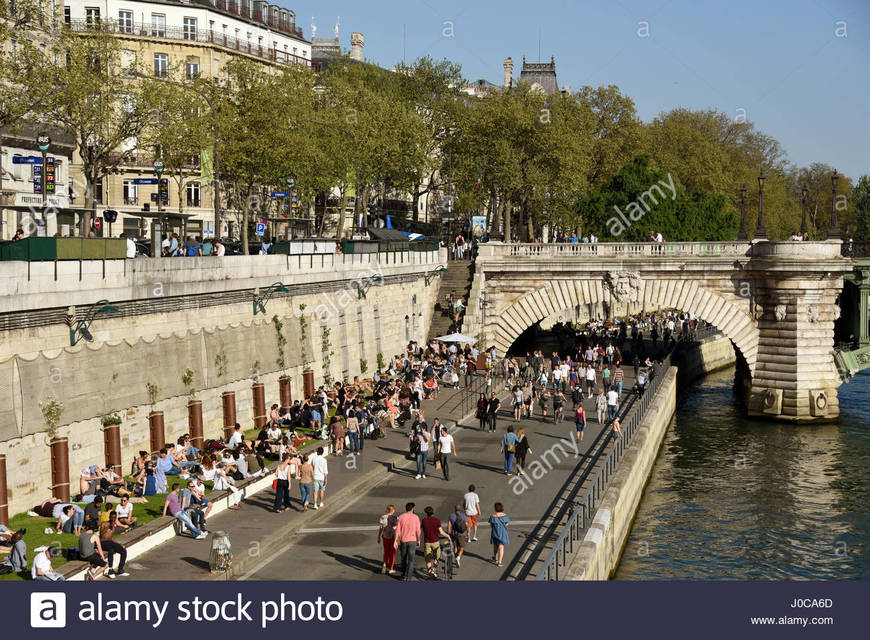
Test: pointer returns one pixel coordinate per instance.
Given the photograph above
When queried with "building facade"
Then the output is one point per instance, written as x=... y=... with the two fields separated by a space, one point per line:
x=200 y=37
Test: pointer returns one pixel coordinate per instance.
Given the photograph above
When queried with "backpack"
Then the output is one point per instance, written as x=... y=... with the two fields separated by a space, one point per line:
x=460 y=525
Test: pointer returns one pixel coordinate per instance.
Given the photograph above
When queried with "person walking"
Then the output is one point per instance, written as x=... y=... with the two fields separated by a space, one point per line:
x=499 y=537
x=408 y=530
x=481 y=414
x=517 y=398
x=387 y=536
x=579 y=423
x=509 y=448
x=457 y=529
x=617 y=428
x=472 y=511
x=601 y=405
x=320 y=476
x=421 y=433
x=353 y=432
x=522 y=448
x=446 y=446
x=432 y=534
x=590 y=379
x=612 y=404
x=618 y=379
x=492 y=408
x=282 y=485
x=306 y=481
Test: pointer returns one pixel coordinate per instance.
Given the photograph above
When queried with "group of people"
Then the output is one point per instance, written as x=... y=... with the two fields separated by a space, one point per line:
x=401 y=535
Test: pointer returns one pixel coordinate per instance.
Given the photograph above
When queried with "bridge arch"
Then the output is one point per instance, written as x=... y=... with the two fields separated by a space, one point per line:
x=689 y=296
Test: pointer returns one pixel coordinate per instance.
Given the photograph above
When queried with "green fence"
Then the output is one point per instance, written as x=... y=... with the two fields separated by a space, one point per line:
x=38 y=249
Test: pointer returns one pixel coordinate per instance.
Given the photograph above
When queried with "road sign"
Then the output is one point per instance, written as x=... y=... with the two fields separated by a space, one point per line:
x=280 y=194
x=158 y=167
x=144 y=180
x=43 y=142
x=37 y=169
x=261 y=229
x=26 y=160
x=97 y=222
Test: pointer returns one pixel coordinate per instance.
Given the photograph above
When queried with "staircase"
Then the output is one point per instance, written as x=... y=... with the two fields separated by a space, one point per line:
x=458 y=279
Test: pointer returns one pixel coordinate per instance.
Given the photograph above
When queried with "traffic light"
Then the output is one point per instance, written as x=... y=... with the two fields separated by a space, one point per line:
x=110 y=215
x=163 y=190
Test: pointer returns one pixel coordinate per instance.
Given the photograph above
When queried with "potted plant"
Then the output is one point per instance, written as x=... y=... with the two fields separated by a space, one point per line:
x=112 y=438
x=258 y=395
x=155 y=418
x=52 y=410
x=284 y=386
x=363 y=366
x=307 y=373
x=194 y=409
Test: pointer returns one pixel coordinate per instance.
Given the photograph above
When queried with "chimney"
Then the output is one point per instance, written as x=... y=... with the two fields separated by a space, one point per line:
x=508 y=71
x=357 y=42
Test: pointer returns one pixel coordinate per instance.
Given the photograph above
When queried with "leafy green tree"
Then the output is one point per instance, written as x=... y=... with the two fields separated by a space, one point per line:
x=99 y=101
x=861 y=209
x=817 y=179
x=641 y=200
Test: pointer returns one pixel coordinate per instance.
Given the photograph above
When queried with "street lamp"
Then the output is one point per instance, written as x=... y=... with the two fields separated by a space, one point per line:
x=742 y=233
x=81 y=329
x=260 y=300
x=804 y=192
x=834 y=229
x=760 y=231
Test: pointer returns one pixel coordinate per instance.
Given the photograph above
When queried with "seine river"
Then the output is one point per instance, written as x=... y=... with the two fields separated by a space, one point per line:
x=732 y=498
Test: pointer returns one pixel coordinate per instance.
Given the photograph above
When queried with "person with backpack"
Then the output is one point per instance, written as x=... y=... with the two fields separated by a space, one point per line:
x=457 y=529
x=509 y=448
x=492 y=408
x=387 y=536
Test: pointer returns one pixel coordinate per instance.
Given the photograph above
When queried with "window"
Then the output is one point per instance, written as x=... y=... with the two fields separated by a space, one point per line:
x=131 y=193
x=193 y=194
x=67 y=20
x=125 y=21
x=191 y=69
x=158 y=25
x=128 y=59
x=98 y=192
x=161 y=64
x=190 y=28
x=92 y=16
x=18 y=169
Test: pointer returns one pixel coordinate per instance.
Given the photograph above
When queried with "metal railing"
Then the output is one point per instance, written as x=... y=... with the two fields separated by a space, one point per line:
x=192 y=34
x=581 y=511
x=618 y=249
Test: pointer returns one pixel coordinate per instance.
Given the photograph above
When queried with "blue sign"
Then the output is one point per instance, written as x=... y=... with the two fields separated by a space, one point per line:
x=261 y=229
x=144 y=180
x=280 y=194
x=26 y=160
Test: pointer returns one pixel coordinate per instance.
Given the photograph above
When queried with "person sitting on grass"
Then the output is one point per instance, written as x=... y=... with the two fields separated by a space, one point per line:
x=16 y=561
x=90 y=550
x=148 y=482
x=70 y=520
x=42 y=569
x=92 y=511
x=167 y=464
x=110 y=547
x=113 y=482
x=173 y=506
x=125 y=512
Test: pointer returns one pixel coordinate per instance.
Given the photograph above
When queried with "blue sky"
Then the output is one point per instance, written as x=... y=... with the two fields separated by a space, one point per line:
x=785 y=62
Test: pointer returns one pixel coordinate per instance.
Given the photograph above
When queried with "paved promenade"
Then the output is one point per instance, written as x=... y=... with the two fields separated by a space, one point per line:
x=339 y=542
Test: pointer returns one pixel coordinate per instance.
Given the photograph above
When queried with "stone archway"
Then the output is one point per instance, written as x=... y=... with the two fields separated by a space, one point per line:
x=620 y=288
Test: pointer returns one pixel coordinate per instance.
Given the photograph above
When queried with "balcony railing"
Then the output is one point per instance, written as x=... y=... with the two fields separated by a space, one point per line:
x=207 y=36
x=128 y=200
x=282 y=24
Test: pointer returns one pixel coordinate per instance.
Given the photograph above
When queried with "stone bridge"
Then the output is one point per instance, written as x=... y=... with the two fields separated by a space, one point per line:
x=775 y=301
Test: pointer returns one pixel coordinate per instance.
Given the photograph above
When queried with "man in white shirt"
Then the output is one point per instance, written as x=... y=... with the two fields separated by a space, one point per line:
x=472 y=511
x=42 y=566
x=446 y=446
x=321 y=473
x=237 y=437
x=612 y=403
x=131 y=246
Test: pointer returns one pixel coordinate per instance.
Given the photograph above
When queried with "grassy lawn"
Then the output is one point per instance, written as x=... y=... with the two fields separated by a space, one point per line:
x=144 y=512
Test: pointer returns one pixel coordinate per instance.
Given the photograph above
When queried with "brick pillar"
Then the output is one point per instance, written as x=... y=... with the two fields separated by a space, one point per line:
x=4 y=497
x=158 y=436
x=284 y=391
x=259 y=398
x=194 y=422
x=229 y=409
x=60 y=468
x=112 y=444
x=308 y=383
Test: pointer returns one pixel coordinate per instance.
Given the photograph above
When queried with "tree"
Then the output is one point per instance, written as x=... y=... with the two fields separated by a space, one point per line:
x=640 y=200
x=101 y=103
x=817 y=178
x=861 y=208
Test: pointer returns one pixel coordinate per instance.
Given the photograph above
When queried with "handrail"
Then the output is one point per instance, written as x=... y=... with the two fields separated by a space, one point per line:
x=581 y=510
x=617 y=249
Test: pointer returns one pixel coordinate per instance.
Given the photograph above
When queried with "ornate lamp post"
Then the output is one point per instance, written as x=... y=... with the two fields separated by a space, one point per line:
x=742 y=233
x=804 y=192
x=760 y=231
x=834 y=229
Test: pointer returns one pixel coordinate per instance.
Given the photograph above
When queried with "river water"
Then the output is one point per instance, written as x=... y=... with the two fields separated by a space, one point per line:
x=734 y=498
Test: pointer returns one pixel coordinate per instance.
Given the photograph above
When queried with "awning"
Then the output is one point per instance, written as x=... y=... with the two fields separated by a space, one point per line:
x=387 y=234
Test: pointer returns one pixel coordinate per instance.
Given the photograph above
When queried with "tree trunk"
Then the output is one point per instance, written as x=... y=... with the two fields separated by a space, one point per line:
x=245 y=217
x=365 y=206
x=342 y=206
x=90 y=200
x=415 y=200
x=507 y=221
